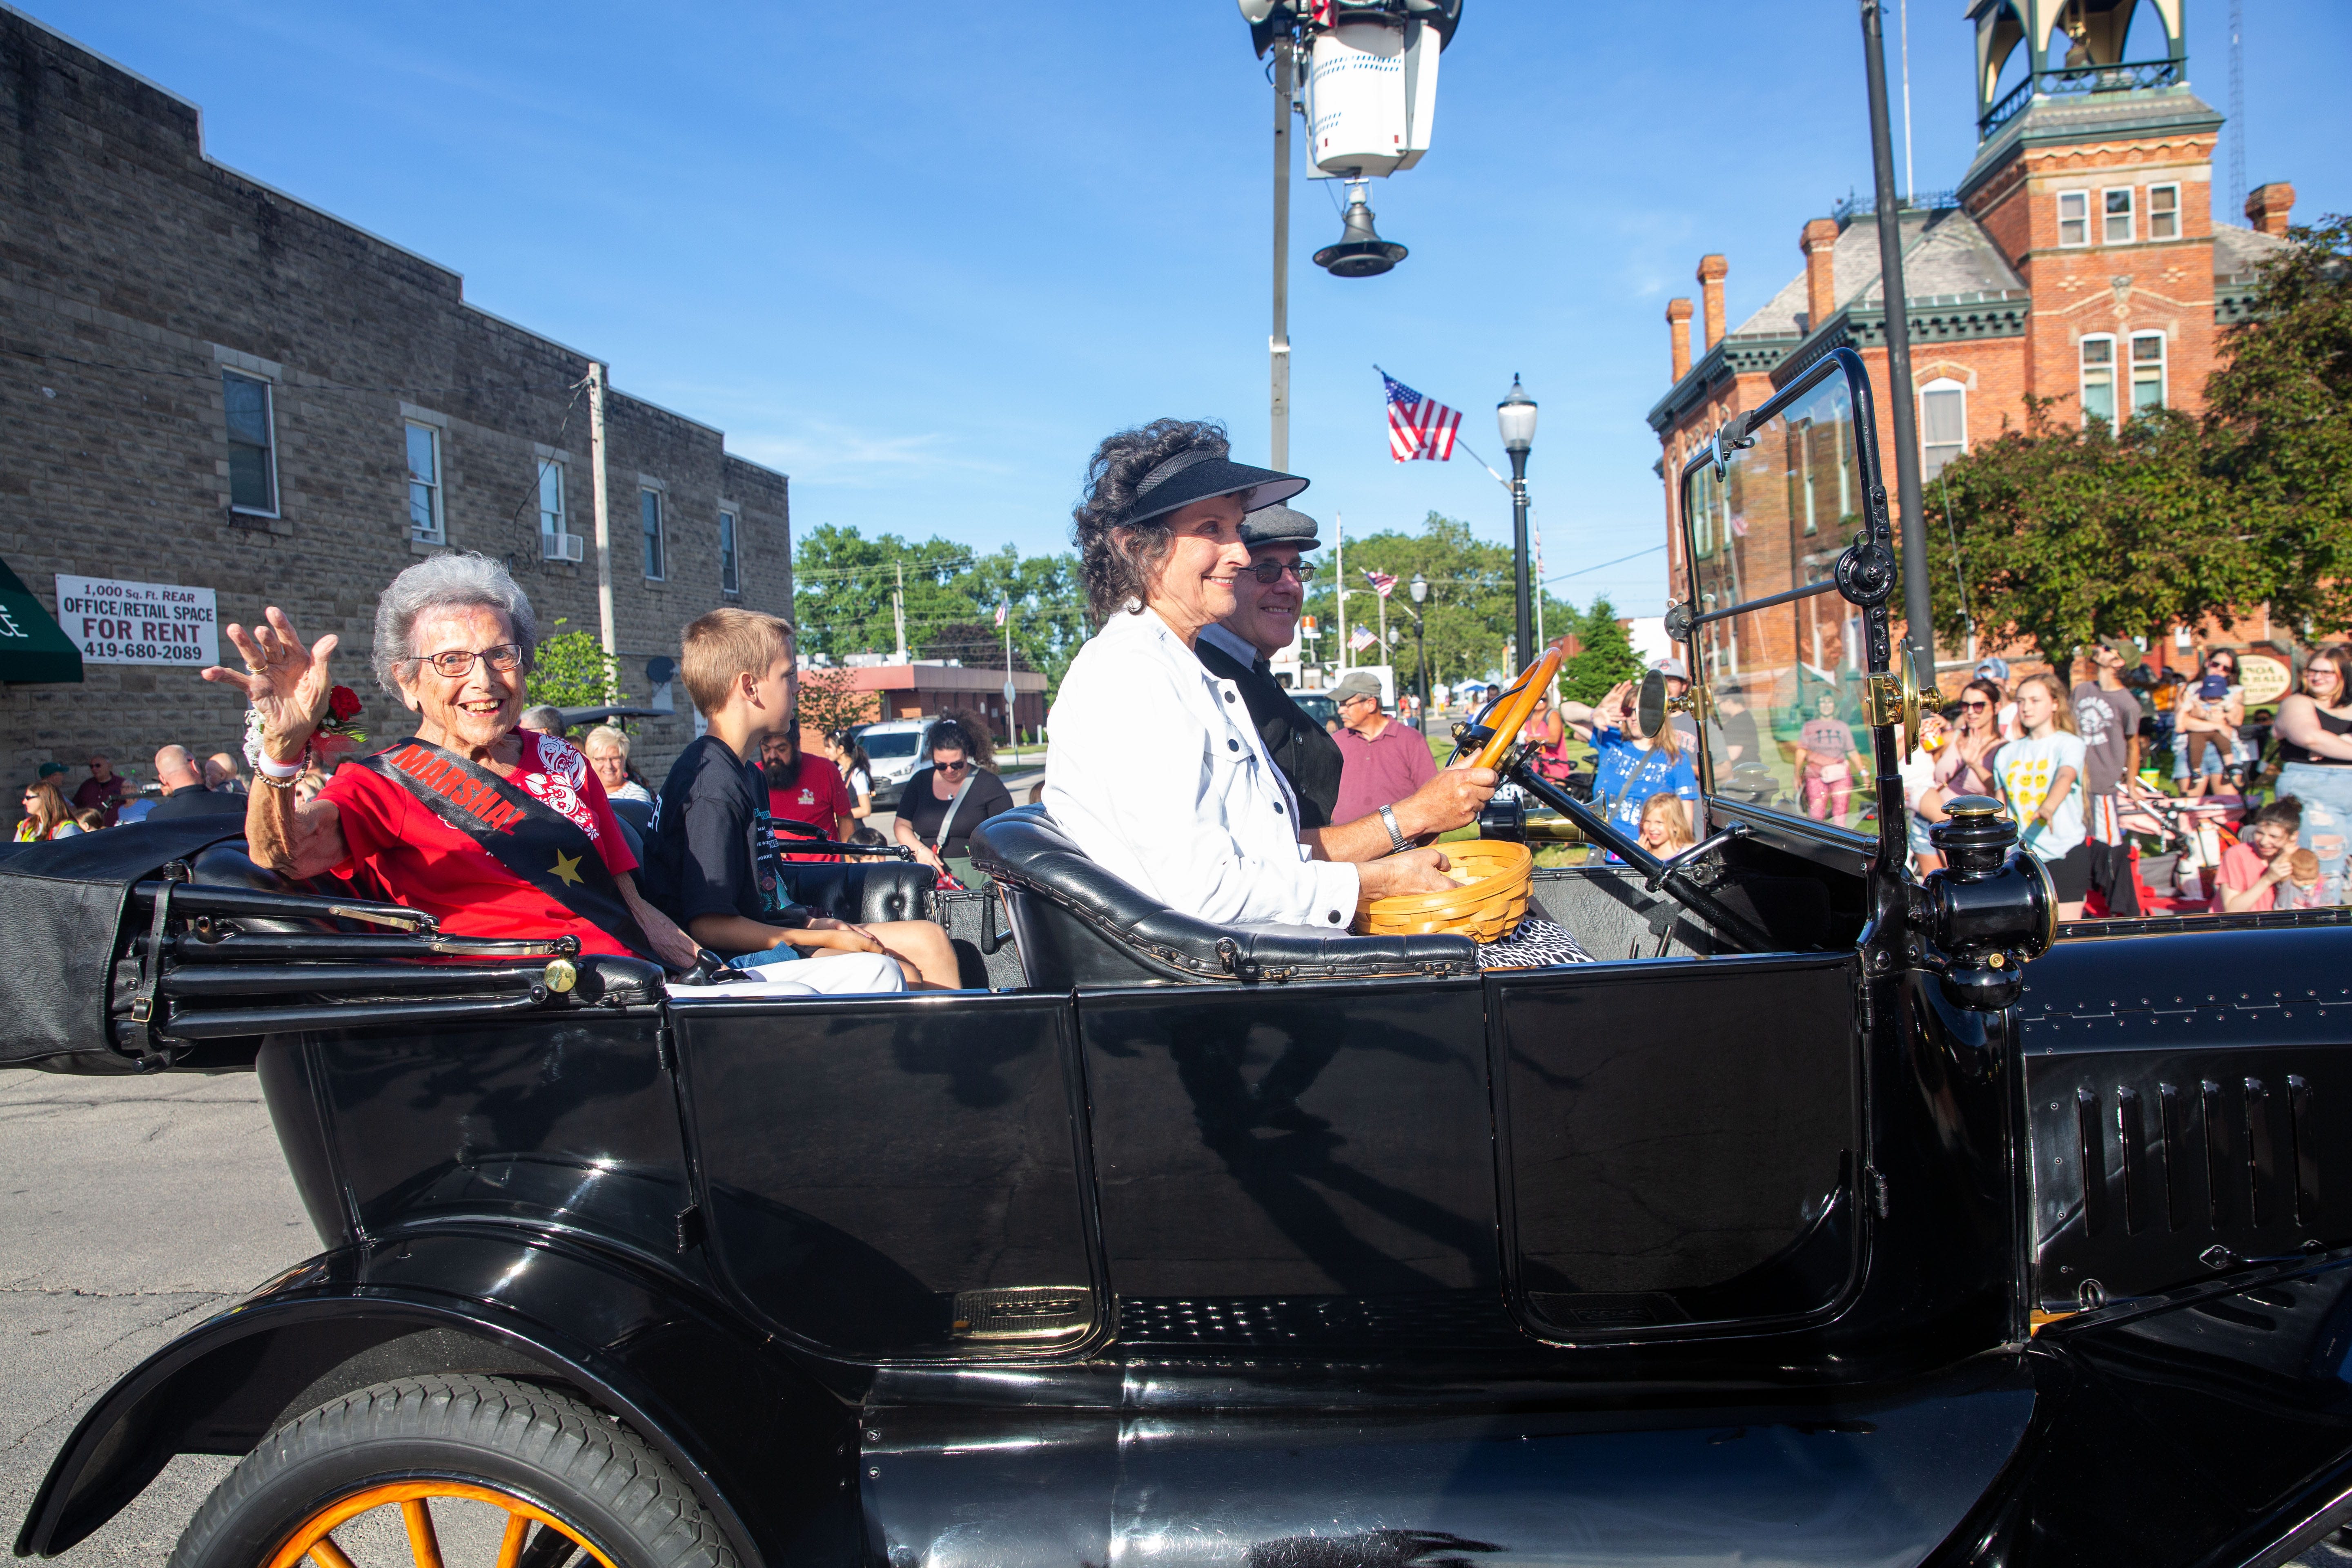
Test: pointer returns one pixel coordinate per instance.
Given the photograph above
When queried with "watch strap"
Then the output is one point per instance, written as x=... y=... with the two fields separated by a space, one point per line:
x=1397 y=845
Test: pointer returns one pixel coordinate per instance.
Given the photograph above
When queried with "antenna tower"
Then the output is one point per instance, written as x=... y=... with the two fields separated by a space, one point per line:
x=2237 y=109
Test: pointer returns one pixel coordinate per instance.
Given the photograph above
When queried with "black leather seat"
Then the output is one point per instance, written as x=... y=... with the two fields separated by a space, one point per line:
x=1075 y=924
x=862 y=892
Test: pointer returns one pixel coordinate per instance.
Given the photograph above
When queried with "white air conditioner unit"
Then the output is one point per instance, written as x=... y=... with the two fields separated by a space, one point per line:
x=561 y=546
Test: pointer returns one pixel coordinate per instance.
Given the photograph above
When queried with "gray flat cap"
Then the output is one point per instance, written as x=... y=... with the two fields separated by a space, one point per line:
x=1279 y=525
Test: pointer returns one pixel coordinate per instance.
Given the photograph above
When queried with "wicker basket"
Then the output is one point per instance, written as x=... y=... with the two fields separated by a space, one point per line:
x=1487 y=909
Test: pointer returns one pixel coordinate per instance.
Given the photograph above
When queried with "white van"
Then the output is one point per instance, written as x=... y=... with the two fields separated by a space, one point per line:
x=896 y=748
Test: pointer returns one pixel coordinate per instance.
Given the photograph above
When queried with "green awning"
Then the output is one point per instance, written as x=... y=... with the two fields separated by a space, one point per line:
x=33 y=648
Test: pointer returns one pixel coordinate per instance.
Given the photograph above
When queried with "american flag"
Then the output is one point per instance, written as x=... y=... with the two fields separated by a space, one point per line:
x=1361 y=639
x=1000 y=612
x=1419 y=427
x=1383 y=583
x=1320 y=13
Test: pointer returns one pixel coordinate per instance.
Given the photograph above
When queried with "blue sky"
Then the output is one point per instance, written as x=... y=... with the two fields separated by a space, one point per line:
x=923 y=257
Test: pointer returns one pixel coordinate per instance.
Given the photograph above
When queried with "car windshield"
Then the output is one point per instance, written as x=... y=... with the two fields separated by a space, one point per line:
x=890 y=743
x=1787 y=731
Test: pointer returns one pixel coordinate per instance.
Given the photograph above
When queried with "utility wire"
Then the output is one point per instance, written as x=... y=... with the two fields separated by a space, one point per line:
x=302 y=386
x=1580 y=571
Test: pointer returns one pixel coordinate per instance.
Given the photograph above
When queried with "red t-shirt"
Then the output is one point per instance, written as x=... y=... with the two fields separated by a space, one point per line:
x=814 y=793
x=2241 y=870
x=414 y=858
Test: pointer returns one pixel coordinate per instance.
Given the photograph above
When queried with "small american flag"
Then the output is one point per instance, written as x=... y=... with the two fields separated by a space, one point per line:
x=1000 y=612
x=1383 y=583
x=1419 y=427
x=1320 y=13
x=1361 y=639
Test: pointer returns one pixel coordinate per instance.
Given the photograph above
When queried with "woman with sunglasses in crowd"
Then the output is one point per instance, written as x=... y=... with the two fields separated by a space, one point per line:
x=1966 y=765
x=2205 y=725
x=941 y=804
x=47 y=814
x=2315 y=732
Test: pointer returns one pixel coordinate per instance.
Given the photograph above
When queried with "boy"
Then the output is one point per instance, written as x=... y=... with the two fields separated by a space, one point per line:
x=701 y=866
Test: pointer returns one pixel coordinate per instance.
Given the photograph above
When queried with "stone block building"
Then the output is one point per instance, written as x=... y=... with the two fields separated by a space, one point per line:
x=212 y=384
x=2077 y=259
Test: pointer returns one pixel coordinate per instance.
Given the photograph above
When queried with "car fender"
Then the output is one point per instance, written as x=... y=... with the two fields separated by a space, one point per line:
x=764 y=1446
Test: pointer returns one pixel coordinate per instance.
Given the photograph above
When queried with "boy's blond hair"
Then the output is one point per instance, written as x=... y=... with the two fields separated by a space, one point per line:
x=728 y=642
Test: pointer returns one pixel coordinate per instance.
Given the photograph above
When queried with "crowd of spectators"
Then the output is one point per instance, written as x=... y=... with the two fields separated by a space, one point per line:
x=107 y=798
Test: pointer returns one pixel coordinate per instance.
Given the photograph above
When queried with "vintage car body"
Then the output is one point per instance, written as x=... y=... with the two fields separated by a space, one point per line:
x=1766 y=1237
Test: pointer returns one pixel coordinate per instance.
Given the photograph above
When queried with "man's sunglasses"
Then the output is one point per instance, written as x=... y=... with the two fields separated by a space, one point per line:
x=1272 y=570
x=458 y=662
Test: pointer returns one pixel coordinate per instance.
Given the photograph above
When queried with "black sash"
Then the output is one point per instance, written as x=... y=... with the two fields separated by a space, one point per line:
x=521 y=832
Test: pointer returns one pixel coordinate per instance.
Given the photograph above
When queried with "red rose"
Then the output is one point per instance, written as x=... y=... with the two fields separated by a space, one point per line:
x=343 y=703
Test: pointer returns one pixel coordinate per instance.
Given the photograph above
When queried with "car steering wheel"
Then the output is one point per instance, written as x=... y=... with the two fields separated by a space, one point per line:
x=1505 y=713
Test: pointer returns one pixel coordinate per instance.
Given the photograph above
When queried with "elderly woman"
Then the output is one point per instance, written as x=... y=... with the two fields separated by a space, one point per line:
x=494 y=831
x=1156 y=770
x=607 y=751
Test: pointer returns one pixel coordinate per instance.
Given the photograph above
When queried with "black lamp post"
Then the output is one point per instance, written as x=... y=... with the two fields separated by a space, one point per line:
x=1420 y=591
x=1515 y=415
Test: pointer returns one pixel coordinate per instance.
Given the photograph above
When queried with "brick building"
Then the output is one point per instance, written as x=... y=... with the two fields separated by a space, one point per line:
x=2077 y=259
x=211 y=385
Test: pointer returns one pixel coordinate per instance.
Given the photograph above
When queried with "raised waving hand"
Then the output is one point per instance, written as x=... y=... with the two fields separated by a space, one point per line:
x=286 y=683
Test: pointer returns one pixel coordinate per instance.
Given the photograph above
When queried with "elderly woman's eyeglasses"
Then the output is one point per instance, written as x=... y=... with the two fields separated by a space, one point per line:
x=1272 y=570
x=458 y=662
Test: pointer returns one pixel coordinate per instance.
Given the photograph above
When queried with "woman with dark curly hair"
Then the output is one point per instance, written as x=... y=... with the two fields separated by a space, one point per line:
x=1156 y=769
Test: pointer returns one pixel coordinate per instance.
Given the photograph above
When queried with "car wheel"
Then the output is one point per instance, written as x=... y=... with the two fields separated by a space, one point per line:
x=454 y=1469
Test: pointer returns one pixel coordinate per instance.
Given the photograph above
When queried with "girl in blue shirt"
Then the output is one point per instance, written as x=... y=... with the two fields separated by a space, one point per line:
x=1629 y=767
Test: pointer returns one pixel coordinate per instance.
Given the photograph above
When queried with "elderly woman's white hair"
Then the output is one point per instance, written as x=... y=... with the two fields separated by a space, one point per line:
x=606 y=735
x=440 y=583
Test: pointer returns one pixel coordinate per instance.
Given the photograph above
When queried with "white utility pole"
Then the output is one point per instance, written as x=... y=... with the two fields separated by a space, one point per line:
x=1339 y=581
x=899 y=610
x=1278 y=344
x=604 y=508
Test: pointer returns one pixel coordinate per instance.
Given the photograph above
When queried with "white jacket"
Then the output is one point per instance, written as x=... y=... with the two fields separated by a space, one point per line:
x=1157 y=772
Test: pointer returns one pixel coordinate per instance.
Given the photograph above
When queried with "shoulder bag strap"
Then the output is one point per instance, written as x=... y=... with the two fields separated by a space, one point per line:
x=938 y=845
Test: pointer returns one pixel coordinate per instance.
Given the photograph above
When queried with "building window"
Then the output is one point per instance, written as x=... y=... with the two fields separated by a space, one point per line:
x=2073 y=217
x=2099 y=379
x=252 y=444
x=1943 y=425
x=2164 y=212
x=649 y=511
x=731 y=575
x=550 y=498
x=424 y=483
x=2148 y=370
x=2117 y=206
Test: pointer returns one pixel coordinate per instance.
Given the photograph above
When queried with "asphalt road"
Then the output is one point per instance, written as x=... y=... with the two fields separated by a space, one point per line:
x=133 y=1208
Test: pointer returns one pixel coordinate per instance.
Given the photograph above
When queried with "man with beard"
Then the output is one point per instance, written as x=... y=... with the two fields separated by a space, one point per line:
x=1267 y=595
x=804 y=788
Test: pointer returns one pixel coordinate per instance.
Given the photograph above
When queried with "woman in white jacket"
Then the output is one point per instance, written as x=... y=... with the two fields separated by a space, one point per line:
x=1156 y=769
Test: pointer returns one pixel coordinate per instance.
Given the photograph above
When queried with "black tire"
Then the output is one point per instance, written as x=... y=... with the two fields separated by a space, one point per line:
x=544 y=1446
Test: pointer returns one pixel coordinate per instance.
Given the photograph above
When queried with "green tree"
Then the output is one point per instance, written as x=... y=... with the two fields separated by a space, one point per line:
x=2068 y=533
x=1606 y=655
x=572 y=671
x=843 y=584
x=1469 y=616
x=830 y=700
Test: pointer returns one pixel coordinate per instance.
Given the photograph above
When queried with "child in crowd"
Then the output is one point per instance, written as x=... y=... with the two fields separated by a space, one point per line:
x=1665 y=824
x=2264 y=870
x=701 y=862
x=1923 y=799
x=2040 y=779
x=1829 y=757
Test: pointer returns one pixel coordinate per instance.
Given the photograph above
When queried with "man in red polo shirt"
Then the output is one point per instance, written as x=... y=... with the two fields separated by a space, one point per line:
x=804 y=788
x=1381 y=762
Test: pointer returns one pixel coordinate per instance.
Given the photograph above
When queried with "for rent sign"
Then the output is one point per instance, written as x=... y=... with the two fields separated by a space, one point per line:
x=138 y=623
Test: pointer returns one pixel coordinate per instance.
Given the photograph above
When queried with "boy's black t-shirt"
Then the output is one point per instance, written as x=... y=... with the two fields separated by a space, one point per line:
x=701 y=856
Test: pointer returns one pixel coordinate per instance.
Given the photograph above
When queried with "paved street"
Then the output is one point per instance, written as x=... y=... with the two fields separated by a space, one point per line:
x=133 y=1208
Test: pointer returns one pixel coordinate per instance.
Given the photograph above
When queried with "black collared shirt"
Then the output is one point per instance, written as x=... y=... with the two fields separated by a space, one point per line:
x=1300 y=747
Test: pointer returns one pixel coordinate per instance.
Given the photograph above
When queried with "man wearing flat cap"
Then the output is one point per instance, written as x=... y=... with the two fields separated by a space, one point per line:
x=1238 y=648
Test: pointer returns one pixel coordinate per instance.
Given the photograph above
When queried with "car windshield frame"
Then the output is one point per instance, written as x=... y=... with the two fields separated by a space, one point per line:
x=1813 y=443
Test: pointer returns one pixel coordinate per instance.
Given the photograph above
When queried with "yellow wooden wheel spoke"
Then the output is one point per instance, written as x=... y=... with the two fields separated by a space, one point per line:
x=424 y=1545
x=313 y=1539
x=511 y=1544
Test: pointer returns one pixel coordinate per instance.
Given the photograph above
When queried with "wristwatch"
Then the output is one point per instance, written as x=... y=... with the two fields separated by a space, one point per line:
x=1397 y=846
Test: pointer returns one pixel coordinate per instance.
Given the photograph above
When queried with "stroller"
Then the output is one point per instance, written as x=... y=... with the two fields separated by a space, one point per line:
x=2192 y=833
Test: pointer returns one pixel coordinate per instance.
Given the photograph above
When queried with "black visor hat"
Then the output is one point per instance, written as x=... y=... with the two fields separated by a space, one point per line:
x=1197 y=476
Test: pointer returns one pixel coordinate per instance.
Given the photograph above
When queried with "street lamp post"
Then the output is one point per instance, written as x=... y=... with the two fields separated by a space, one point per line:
x=1420 y=591
x=1516 y=415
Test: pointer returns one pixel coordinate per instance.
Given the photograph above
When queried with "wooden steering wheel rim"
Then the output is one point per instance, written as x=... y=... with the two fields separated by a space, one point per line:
x=1512 y=707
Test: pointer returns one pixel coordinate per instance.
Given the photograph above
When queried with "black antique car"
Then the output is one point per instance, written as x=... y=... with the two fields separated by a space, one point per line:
x=1831 y=1215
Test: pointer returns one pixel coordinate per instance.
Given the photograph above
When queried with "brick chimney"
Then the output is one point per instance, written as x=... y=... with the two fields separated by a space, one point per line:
x=2267 y=208
x=1817 y=242
x=1711 y=269
x=1678 y=313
